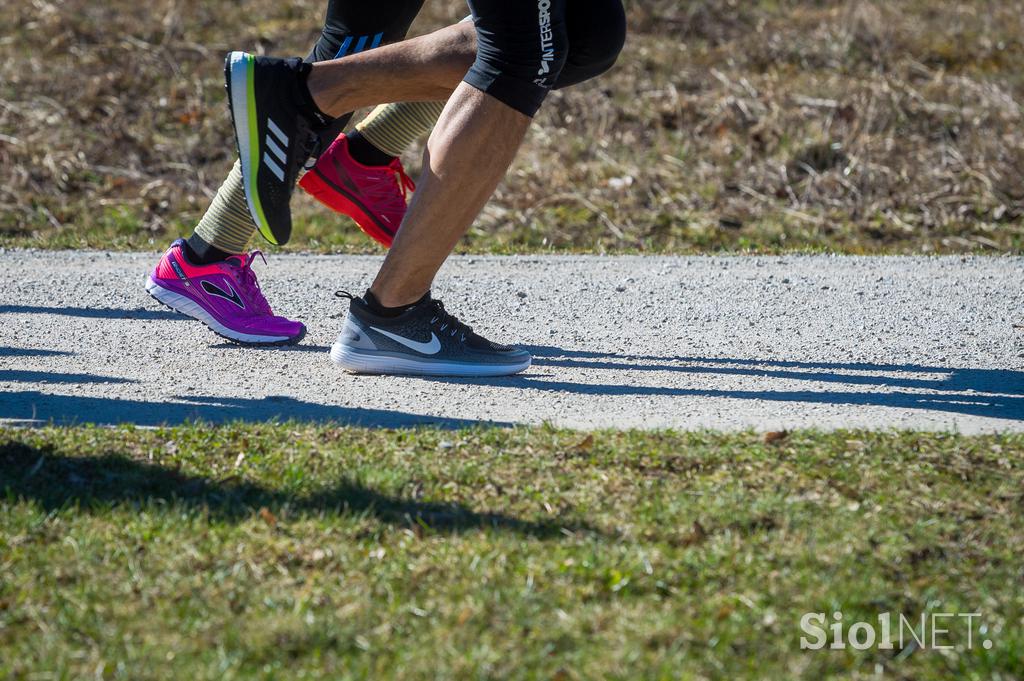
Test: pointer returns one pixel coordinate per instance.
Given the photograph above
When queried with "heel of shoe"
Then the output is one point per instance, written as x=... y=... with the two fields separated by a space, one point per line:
x=349 y=360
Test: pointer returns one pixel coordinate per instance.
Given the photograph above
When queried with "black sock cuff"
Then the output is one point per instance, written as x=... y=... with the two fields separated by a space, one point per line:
x=201 y=252
x=366 y=152
x=381 y=311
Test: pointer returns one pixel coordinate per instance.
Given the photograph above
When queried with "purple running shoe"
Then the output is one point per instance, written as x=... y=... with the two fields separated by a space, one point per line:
x=223 y=295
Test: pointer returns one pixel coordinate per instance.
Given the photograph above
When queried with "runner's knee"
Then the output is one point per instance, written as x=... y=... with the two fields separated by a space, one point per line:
x=597 y=32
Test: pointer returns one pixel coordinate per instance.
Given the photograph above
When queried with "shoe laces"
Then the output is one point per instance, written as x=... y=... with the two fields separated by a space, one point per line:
x=448 y=323
x=383 y=182
x=444 y=321
x=249 y=284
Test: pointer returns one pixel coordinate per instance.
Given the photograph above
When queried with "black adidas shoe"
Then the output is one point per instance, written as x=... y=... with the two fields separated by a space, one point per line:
x=275 y=124
x=423 y=340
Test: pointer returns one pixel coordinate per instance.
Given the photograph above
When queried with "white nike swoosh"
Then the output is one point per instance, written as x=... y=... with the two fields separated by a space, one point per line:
x=431 y=348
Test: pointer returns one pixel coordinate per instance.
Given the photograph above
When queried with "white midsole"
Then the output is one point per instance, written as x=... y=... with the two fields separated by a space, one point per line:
x=240 y=112
x=187 y=306
x=361 y=363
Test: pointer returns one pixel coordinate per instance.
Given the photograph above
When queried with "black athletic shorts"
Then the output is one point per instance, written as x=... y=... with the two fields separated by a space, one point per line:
x=353 y=26
x=525 y=48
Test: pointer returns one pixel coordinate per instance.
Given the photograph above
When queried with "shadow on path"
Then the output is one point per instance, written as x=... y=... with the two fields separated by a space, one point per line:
x=22 y=376
x=992 y=393
x=33 y=407
x=94 y=312
x=955 y=380
x=32 y=352
x=91 y=483
x=272 y=348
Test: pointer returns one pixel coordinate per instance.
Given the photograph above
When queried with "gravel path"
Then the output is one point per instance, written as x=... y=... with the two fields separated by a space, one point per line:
x=647 y=342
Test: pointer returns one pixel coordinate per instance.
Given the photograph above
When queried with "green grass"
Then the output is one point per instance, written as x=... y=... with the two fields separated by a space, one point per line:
x=294 y=551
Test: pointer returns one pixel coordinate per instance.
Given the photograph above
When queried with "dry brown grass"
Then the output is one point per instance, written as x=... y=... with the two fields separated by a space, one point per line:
x=841 y=125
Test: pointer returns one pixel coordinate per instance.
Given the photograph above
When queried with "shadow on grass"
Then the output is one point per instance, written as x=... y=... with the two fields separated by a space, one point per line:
x=95 y=483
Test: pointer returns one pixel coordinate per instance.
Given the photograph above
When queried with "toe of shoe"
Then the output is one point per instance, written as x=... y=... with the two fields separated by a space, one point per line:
x=517 y=357
x=277 y=326
x=291 y=328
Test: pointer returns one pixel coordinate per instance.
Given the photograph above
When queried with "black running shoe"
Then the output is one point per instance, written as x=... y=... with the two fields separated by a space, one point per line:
x=424 y=340
x=274 y=129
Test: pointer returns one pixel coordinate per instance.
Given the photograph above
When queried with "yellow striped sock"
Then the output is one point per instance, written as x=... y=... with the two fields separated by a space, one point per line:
x=393 y=127
x=227 y=224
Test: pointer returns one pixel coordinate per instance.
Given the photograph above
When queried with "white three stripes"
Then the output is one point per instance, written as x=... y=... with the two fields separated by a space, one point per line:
x=274 y=148
x=278 y=133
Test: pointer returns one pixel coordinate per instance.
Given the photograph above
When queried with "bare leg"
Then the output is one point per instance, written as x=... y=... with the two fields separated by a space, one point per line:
x=468 y=153
x=422 y=69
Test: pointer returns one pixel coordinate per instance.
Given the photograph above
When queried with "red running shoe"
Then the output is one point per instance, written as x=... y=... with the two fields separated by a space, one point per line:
x=374 y=196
